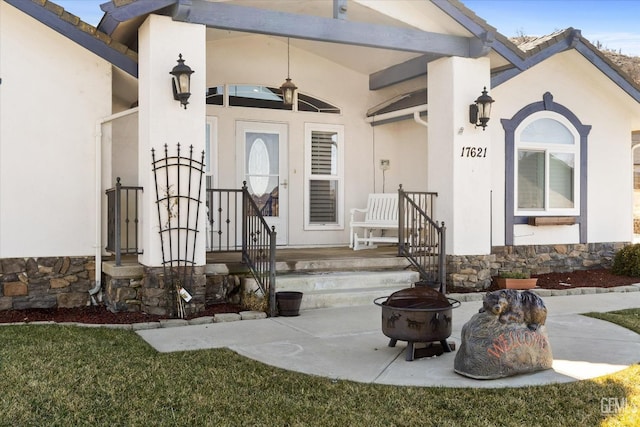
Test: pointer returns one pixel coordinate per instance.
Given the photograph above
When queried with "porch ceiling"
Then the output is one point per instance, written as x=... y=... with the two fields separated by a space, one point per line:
x=367 y=41
x=418 y=31
x=365 y=60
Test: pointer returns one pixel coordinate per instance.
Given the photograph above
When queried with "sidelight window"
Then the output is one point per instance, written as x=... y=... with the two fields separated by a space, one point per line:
x=324 y=176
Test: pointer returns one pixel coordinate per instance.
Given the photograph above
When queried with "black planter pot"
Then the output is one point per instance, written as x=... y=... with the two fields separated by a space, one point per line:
x=288 y=303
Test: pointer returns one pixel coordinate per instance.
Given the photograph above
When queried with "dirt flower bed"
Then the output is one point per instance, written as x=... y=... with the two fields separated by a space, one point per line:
x=597 y=278
x=98 y=315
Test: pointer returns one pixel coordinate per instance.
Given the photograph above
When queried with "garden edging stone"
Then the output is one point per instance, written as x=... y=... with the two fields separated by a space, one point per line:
x=251 y=315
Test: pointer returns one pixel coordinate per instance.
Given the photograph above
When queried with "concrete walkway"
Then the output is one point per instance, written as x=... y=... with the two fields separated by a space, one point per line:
x=347 y=343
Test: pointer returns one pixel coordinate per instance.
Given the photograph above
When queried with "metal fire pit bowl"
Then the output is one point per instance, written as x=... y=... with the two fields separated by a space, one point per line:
x=417 y=315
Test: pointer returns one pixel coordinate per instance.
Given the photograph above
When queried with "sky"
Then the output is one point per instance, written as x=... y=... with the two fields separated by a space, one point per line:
x=609 y=22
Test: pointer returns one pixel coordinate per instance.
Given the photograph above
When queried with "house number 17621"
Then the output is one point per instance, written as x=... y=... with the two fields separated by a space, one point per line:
x=474 y=152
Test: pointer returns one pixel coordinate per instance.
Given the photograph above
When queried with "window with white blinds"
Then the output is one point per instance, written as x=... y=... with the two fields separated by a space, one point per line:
x=324 y=152
x=546 y=168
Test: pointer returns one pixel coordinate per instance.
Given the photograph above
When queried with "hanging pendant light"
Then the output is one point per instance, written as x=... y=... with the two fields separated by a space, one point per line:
x=288 y=88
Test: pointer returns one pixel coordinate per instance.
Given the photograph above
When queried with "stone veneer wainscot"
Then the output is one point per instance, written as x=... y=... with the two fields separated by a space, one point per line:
x=476 y=271
x=46 y=282
x=134 y=287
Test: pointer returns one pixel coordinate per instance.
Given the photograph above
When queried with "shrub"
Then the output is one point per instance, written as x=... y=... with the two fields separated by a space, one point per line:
x=515 y=275
x=626 y=262
x=253 y=302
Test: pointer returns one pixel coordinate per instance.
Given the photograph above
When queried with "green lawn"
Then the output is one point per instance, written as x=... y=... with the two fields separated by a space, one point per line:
x=66 y=376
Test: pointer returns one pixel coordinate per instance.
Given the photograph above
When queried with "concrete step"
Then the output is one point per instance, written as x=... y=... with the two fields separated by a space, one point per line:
x=346 y=264
x=344 y=289
x=322 y=265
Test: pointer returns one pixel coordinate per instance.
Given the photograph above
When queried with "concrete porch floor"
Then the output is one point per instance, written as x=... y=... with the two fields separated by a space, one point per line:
x=291 y=256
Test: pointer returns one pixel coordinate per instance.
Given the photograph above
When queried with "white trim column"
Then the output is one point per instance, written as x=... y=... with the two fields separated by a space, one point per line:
x=164 y=121
x=459 y=161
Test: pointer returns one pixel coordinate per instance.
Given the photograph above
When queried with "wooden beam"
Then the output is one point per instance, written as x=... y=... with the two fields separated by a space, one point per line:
x=340 y=9
x=416 y=67
x=121 y=11
x=254 y=20
x=472 y=24
x=407 y=70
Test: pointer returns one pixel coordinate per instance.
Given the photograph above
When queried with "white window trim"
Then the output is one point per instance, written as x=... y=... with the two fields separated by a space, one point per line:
x=547 y=148
x=339 y=177
x=212 y=150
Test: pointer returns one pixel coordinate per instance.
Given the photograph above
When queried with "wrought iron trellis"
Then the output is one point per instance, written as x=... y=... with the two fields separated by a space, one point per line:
x=178 y=183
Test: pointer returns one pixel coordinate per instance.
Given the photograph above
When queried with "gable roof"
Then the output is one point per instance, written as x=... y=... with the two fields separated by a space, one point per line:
x=87 y=36
x=535 y=51
x=528 y=44
x=541 y=48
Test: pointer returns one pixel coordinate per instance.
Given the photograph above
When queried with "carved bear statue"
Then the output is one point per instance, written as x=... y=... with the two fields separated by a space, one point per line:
x=514 y=306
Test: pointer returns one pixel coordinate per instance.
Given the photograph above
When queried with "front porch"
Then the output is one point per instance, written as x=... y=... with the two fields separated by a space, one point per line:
x=327 y=277
x=242 y=257
x=296 y=258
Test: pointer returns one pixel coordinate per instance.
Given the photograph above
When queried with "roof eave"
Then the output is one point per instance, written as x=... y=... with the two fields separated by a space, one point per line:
x=87 y=36
x=479 y=28
x=608 y=68
x=122 y=11
x=566 y=40
x=572 y=39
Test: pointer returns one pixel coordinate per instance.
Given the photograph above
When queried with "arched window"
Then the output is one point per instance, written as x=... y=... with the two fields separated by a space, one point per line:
x=256 y=96
x=545 y=166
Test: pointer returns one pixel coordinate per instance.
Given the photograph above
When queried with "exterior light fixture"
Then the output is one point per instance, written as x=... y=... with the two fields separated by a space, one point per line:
x=181 y=82
x=480 y=111
x=288 y=88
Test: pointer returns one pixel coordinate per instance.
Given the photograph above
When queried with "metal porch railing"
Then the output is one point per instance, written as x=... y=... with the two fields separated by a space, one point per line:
x=421 y=239
x=259 y=249
x=224 y=220
x=236 y=223
x=123 y=210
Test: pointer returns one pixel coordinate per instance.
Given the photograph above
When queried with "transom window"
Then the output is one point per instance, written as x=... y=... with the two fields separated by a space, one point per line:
x=547 y=166
x=256 y=96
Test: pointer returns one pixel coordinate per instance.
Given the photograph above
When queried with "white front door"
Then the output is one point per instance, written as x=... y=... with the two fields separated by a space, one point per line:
x=262 y=148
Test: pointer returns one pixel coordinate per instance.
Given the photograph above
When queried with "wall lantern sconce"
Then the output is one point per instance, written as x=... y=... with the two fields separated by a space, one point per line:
x=288 y=88
x=181 y=82
x=480 y=111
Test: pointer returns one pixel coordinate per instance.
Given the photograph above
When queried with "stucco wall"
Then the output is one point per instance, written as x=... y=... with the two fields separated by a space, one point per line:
x=404 y=144
x=52 y=93
x=597 y=101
